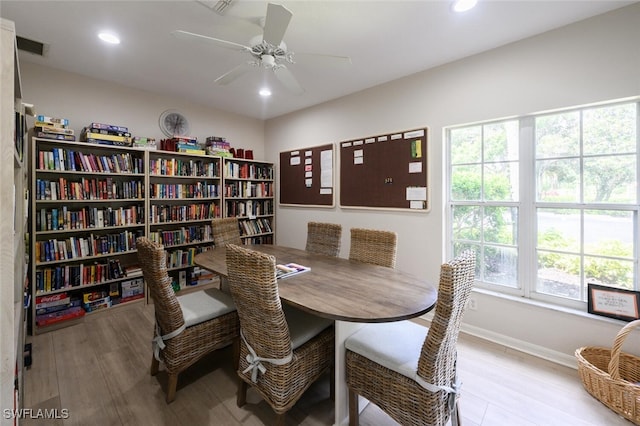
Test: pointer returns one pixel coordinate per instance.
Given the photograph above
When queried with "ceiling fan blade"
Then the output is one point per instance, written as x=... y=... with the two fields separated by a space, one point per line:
x=232 y=75
x=276 y=23
x=317 y=58
x=223 y=43
x=288 y=80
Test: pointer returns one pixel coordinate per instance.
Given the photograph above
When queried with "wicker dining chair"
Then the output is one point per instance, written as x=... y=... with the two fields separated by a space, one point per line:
x=323 y=238
x=282 y=351
x=187 y=327
x=225 y=231
x=373 y=246
x=407 y=370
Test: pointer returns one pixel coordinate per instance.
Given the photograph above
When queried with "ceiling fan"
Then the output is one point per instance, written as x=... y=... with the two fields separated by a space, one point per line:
x=267 y=51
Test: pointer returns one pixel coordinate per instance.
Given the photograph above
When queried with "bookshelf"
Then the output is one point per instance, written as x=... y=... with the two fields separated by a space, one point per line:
x=249 y=195
x=90 y=202
x=88 y=209
x=184 y=197
x=12 y=221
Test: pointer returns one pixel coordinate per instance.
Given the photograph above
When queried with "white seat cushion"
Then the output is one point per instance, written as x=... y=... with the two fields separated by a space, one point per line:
x=303 y=326
x=203 y=305
x=395 y=345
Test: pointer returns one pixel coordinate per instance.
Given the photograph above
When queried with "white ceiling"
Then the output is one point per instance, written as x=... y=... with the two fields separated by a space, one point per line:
x=386 y=40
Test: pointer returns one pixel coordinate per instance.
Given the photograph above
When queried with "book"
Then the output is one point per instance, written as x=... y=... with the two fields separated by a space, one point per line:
x=52 y=120
x=86 y=135
x=290 y=269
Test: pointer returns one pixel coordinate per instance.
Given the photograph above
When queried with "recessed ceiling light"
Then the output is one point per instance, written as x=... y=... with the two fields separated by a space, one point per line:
x=463 y=5
x=109 y=38
x=265 y=92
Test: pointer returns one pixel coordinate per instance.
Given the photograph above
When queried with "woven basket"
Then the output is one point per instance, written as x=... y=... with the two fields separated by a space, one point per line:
x=612 y=376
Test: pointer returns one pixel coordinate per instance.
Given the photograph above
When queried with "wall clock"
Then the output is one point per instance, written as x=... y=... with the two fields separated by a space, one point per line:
x=174 y=123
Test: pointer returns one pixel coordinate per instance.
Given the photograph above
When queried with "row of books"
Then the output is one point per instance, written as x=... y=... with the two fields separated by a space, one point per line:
x=171 y=144
x=248 y=189
x=248 y=171
x=77 y=161
x=171 y=213
x=70 y=276
x=184 y=235
x=181 y=258
x=184 y=191
x=79 y=247
x=255 y=226
x=243 y=208
x=88 y=189
x=181 y=167
x=88 y=218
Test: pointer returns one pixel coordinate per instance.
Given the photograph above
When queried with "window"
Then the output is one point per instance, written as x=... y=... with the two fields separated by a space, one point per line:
x=549 y=203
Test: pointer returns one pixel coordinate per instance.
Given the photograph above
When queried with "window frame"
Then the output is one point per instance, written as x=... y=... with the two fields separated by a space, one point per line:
x=528 y=205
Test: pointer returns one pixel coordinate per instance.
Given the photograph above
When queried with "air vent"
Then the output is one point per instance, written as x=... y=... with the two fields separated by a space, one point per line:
x=32 y=46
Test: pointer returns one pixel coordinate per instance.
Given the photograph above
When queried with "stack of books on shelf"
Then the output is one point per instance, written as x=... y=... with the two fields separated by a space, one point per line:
x=55 y=308
x=106 y=134
x=53 y=128
x=145 y=143
x=186 y=144
x=96 y=300
x=217 y=145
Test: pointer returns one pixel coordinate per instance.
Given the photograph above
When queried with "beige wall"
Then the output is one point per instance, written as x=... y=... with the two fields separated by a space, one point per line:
x=592 y=61
x=84 y=100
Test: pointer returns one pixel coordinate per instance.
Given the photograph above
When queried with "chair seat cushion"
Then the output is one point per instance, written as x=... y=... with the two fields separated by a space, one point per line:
x=203 y=305
x=395 y=345
x=303 y=326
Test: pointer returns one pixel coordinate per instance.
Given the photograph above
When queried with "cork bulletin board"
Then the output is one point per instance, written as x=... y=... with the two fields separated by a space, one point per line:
x=386 y=171
x=307 y=177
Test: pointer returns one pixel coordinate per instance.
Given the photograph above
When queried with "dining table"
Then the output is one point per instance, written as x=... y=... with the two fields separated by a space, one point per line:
x=349 y=292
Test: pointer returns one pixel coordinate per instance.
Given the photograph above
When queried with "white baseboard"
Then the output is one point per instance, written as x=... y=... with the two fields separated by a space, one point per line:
x=517 y=344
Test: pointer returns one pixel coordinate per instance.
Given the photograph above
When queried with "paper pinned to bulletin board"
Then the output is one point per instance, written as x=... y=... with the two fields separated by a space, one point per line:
x=386 y=171
x=307 y=177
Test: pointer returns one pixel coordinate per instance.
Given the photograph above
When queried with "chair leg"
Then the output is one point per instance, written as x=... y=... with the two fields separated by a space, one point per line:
x=171 y=387
x=241 y=397
x=236 y=353
x=280 y=419
x=354 y=412
x=155 y=365
x=332 y=383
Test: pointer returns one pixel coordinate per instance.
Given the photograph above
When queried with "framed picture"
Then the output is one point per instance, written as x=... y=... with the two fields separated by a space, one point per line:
x=613 y=302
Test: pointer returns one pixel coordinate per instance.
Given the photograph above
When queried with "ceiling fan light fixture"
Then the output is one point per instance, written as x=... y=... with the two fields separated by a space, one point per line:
x=109 y=37
x=268 y=61
x=463 y=5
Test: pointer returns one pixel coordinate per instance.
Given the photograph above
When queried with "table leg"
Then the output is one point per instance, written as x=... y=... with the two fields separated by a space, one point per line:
x=343 y=329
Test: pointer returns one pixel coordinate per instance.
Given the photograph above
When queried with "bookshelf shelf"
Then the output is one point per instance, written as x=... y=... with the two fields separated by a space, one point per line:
x=249 y=196
x=88 y=208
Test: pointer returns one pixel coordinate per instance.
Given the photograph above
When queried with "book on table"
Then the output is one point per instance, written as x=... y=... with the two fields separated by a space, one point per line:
x=290 y=269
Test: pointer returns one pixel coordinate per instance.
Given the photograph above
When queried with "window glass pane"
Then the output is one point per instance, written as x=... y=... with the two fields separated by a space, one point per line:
x=501 y=225
x=558 y=180
x=559 y=229
x=611 y=272
x=466 y=182
x=610 y=130
x=466 y=223
x=501 y=141
x=466 y=145
x=559 y=275
x=558 y=135
x=608 y=233
x=501 y=181
x=610 y=179
x=501 y=266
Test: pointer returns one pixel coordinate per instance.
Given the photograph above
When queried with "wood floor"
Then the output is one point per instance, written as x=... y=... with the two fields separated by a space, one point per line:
x=99 y=371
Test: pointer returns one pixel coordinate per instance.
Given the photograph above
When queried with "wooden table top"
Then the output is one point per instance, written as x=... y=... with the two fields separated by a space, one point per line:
x=341 y=289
